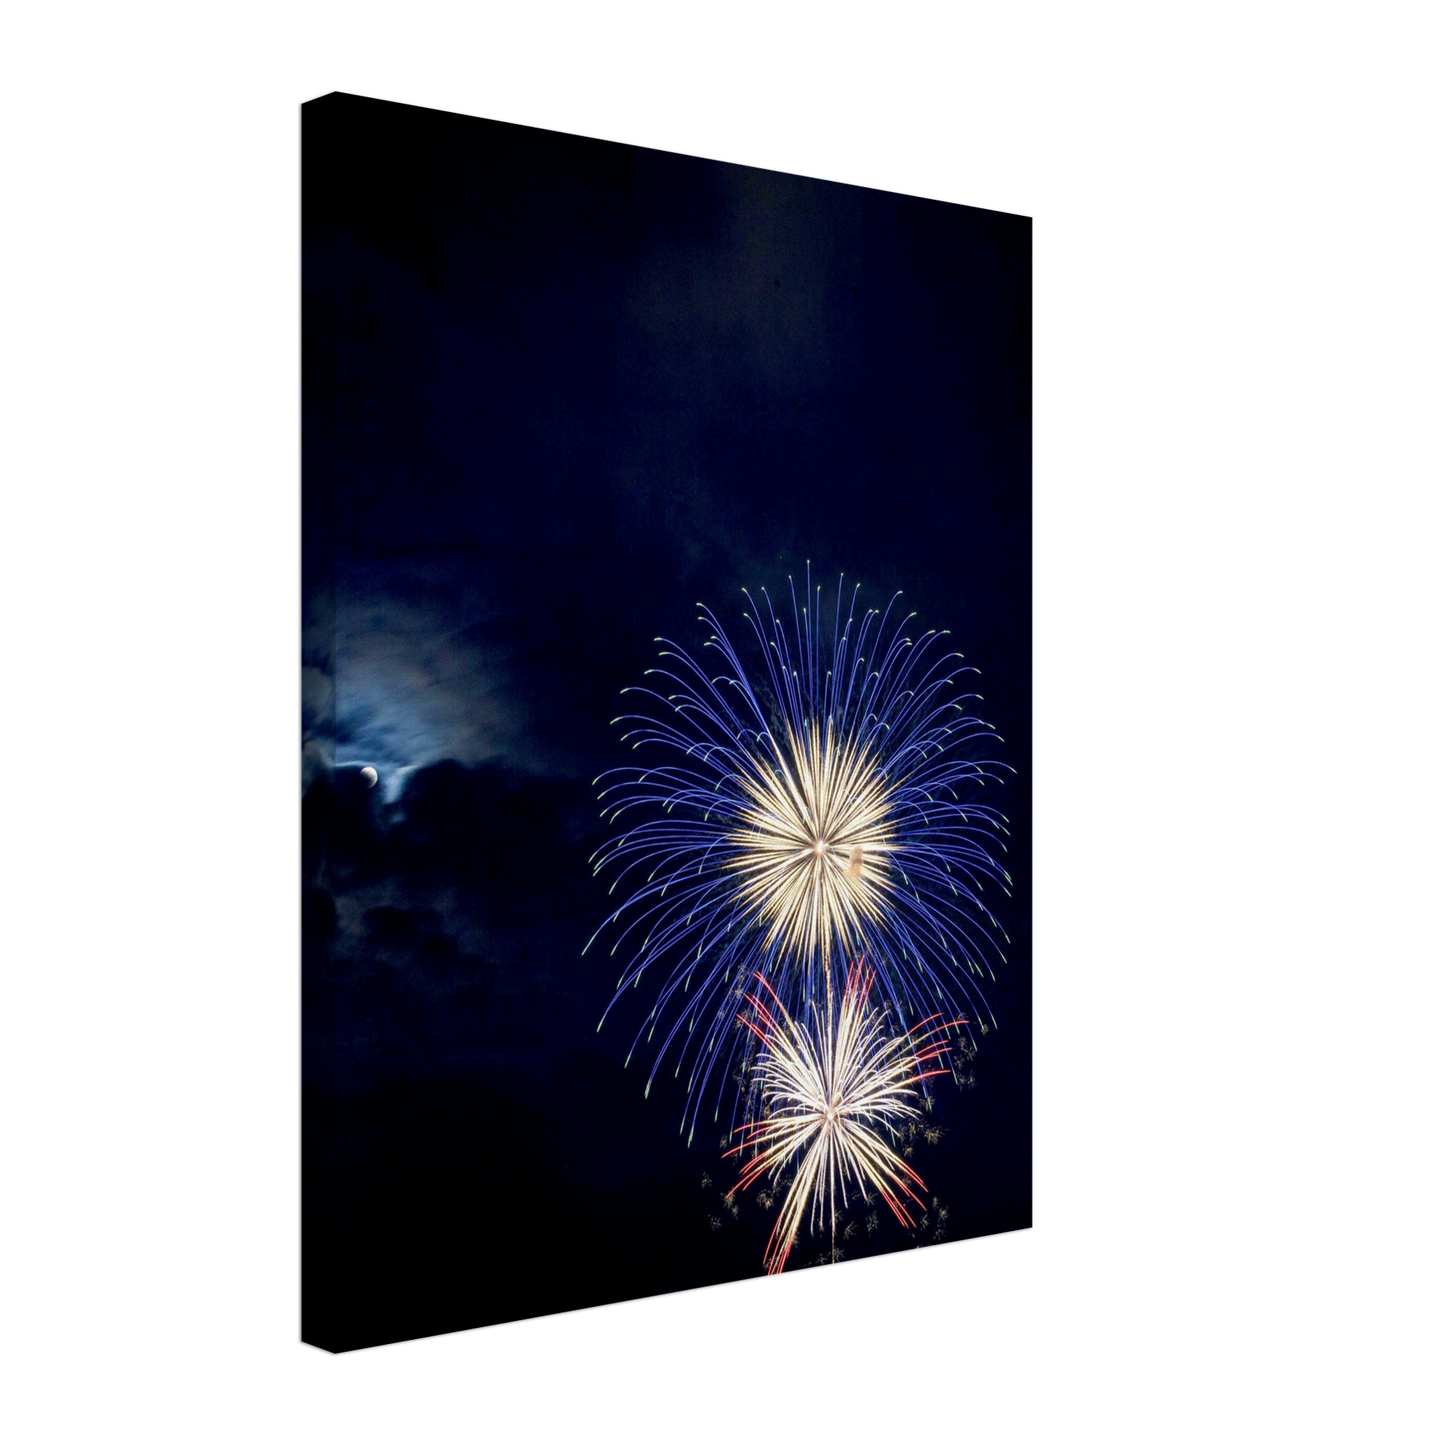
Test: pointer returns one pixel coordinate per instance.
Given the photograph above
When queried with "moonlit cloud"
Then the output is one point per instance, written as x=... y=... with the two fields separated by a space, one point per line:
x=423 y=675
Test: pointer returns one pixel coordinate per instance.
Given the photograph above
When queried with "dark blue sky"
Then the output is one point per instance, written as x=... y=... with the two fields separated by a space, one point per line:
x=557 y=392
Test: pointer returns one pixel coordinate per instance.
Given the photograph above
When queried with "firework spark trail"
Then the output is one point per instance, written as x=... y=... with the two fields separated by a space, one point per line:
x=828 y=1092
x=830 y=812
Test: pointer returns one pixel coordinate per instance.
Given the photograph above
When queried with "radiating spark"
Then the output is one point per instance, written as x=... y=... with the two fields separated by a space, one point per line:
x=830 y=1091
x=824 y=806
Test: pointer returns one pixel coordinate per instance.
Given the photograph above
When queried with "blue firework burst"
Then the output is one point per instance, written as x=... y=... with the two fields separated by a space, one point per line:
x=821 y=807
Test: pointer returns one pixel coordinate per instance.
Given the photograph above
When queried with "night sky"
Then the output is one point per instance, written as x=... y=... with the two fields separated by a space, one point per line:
x=557 y=392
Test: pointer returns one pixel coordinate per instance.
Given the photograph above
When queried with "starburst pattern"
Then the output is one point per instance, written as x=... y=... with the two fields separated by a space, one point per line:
x=825 y=805
x=830 y=1091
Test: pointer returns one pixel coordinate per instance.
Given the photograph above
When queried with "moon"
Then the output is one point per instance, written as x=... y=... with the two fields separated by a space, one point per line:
x=368 y=776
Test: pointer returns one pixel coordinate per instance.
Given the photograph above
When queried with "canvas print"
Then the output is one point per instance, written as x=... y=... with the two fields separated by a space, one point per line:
x=665 y=753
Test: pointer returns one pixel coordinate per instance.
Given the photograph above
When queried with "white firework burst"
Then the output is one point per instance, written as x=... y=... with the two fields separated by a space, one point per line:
x=832 y=1092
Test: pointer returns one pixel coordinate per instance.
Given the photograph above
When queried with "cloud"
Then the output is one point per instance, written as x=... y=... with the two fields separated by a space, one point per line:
x=424 y=673
x=316 y=761
x=318 y=618
x=317 y=695
x=318 y=692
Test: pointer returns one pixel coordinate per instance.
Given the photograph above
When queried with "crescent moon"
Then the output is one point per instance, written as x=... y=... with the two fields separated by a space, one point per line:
x=368 y=776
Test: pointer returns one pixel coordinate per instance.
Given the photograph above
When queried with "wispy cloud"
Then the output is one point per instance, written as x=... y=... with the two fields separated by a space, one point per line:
x=423 y=673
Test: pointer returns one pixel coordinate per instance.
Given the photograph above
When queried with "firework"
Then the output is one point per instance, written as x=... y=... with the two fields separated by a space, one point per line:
x=829 y=1093
x=821 y=807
